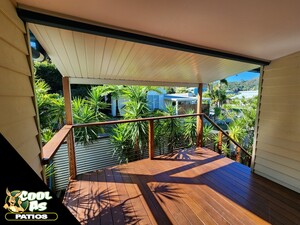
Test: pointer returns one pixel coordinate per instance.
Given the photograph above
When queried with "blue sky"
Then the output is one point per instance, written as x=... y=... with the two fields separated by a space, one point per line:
x=242 y=76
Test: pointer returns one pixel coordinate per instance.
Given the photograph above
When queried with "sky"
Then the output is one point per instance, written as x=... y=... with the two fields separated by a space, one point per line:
x=243 y=76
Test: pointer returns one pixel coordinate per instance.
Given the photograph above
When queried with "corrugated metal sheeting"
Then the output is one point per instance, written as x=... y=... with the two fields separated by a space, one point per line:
x=95 y=156
x=90 y=157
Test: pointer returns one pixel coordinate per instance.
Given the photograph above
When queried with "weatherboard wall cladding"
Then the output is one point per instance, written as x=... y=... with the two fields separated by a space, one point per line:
x=277 y=152
x=18 y=114
x=94 y=156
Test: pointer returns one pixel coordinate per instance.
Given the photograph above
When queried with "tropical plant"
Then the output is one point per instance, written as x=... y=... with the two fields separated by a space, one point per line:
x=50 y=108
x=217 y=92
x=135 y=135
x=116 y=91
x=83 y=113
x=47 y=134
x=95 y=100
x=57 y=111
x=160 y=140
x=138 y=130
x=49 y=174
x=172 y=129
x=43 y=101
x=236 y=131
x=137 y=107
x=122 y=144
x=226 y=150
x=207 y=134
x=190 y=133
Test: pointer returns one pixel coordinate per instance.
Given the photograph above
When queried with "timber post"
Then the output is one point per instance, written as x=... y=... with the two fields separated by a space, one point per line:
x=69 y=121
x=199 y=127
x=151 y=139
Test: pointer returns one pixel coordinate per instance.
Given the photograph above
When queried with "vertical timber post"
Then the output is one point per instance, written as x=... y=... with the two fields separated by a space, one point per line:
x=199 y=118
x=220 y=137
x=238 y=154
x=151 y=139
x=69 y=121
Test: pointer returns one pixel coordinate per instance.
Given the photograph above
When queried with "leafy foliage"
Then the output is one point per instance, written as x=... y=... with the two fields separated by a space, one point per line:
x=96 y=101
x=207 y=134
x=248 y=85
x=189 y=131
x=83 y=113
x=135 y=134
x=122 y=144
x=217 y=92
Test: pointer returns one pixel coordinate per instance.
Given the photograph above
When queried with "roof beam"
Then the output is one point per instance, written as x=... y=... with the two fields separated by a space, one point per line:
x=50 y=20
x=94 y=81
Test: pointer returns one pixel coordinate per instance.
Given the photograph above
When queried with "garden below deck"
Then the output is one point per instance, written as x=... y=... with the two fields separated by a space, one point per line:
x=188 y=187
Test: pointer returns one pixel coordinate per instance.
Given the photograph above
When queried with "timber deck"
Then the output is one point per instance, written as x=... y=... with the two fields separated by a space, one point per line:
x=189 y=187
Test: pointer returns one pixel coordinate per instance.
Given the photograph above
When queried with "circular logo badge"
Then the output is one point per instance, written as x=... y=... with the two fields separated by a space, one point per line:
x=13 y=202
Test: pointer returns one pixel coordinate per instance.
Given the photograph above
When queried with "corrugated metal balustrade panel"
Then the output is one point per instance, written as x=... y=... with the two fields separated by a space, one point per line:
x=95 y=156
x=61 y=164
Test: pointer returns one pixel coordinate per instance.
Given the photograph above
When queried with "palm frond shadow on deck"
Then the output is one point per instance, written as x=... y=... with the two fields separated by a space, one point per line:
x=162 y=191
x=98 y=206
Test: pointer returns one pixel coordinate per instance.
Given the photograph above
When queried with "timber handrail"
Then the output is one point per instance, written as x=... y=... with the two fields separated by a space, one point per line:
x=134 y=120
x=53 y=145
x=227 y=135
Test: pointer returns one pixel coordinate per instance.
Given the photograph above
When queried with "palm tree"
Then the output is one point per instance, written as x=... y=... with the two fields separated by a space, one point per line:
x=190 y=133
x=95 y=100
x=217 y=92
x=172 y=128
x=116 y=91
x=57 y=111
x=137 y=107
x=83 y=113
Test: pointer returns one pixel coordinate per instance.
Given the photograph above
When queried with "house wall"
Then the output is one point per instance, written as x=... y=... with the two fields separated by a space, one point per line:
x=17 y=114
x=277 y=153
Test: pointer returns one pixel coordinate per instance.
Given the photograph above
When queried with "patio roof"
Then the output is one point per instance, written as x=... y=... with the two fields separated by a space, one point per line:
x=92 y=59
x=252 y=33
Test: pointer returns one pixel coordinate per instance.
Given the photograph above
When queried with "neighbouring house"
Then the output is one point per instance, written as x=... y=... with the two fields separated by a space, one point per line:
x=155 y=101
x=182 y=102
x=186 y=101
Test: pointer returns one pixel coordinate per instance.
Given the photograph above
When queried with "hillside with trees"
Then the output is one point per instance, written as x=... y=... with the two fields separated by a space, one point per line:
x=243 y=85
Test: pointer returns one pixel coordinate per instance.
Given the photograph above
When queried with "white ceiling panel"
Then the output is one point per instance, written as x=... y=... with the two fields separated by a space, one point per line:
x=90 y=58
x=266 y=29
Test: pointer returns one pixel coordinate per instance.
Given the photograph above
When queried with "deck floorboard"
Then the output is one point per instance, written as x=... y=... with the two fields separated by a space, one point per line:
x=188 y=187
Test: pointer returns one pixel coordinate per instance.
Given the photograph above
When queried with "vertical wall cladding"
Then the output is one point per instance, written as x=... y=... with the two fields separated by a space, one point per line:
x=277 y=151
x=17 y=114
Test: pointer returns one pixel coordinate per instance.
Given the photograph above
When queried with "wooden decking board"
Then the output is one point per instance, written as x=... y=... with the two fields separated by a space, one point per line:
x=158 y=211
x=199 y=196
x=223 y=208
x=282 y=208
x=204 y=197
x=115 y=207
x=237 y=192
x=95 y=200
x=286 y=213
x=129 y=214
x=145 y=215
x=186 y=188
